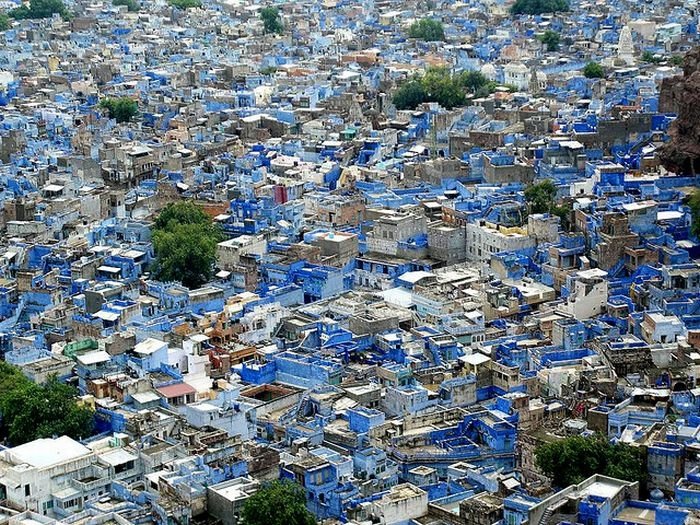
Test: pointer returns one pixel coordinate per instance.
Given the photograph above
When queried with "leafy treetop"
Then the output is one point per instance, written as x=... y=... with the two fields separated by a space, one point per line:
x=427 y=29
x=538 y=7
x=677 y=60
x=185 y=4
x=693 y=202
x=593 y=70
x=184 y=241
x=438 y=85
x=30 y=411
x=651 y=58
x=550 y=39
x=272 y=22
x=131 y=5
x=123 y=109
x=573 y=459
x=541 y=198
x=39 y=9
x=277 y=503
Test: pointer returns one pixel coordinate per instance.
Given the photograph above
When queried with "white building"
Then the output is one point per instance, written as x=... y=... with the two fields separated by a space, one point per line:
x=391 y=229
x=517 y=74
x=483 y=240
x=588 y=294
x=56 y=476
x=150 y=353
x=228 y=253
x=660 y=328
x=260 y=323
x=226 y=412
x=401 y=504
x=225 y=500
x=489 y=71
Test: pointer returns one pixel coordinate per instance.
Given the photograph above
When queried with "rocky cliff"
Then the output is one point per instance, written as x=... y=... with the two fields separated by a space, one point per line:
x=681 y=95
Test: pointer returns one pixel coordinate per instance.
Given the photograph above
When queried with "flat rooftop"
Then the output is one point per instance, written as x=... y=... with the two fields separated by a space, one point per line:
x=46 y=452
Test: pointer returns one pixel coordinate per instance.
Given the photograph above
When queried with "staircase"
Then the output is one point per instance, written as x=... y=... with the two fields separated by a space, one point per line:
x=550 y=510
x=545 y=517
x=11 y=321
x=617 y=269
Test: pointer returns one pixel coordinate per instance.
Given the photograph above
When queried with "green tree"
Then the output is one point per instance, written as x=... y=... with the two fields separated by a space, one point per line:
x=651 y=58
x=573 y=459
x=277 y=503
x=550 y=39
x=30 y=411
x=131 y=5
x=693 y=202
x=427 y=29
x=473 y=80
x=410 y=95
x=271 y=19
x=438 y=85
x=538 y=7
x=184 y=241
x=540 y=196
x=177 y=213
x=486 y=89
x=5 y=22
x=123 y=109
x=39 y=9
x=443 y=88
x=564 y=214
x=185 y=4
x=593 y=70
x=677 y=60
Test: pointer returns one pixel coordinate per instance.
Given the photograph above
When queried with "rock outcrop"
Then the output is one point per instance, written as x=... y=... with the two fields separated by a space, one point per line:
x=681 y=95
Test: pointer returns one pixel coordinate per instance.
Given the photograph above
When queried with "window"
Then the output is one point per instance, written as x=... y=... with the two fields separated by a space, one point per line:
x=71 y=503
x=27 y=490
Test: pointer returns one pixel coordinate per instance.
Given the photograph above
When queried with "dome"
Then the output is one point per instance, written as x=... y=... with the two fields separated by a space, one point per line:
x=517 y=67
x=489 y=71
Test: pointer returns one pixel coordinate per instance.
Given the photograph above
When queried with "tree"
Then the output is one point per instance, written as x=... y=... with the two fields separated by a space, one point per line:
x=443 y=88
x=571 y=460
x=30 y=411
x=564 y=214
x=538 y=7
x=277 y=503
x=438 y=85
x=39 y=9
x=593 y=70
x=540 y=197
x=185 y=4
x=677 y=60
x=131 y=5
x=550 y=39
x=410 y=95
x=427 y=29
x=123 y=109
x=184 y=241
x=5 y=22
x=693 y=202
x=473 y=80
x=651 y=58
x=272 y=22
